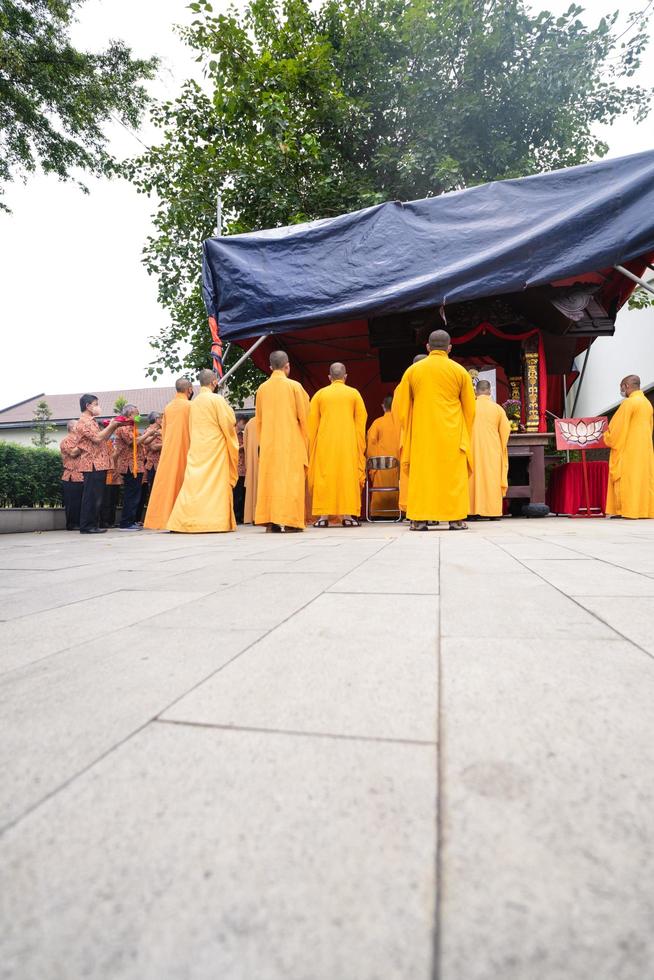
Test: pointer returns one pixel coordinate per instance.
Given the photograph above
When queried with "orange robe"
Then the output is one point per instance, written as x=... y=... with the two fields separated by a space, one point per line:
x=337 y=440
x=384 y=440
x=251 y=449
x=435 y=406
x=282 y=415
x=172 y=462
x=490 y=455
x=205 y=502
x=630 y=491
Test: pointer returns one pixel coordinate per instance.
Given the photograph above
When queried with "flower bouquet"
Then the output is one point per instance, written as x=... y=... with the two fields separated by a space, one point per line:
x=513 y=409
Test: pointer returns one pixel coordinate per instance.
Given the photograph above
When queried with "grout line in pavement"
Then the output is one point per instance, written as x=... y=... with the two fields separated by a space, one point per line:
x=438 y=910
x=291 y=731
x=103 y=755
x=575 y=551
x=590 y=612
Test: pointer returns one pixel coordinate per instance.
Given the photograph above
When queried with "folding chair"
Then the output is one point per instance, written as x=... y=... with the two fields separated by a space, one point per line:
x=375 y=465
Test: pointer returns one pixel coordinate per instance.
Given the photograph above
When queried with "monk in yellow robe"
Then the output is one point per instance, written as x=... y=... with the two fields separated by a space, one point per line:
x=282 y=410
x=435 y=405
x=630 y=491
x=206 y=502
x=384 y=440
x=337 y=448
x=172 y=462
x=251 y=449
x=490 y=440
x=404 y=470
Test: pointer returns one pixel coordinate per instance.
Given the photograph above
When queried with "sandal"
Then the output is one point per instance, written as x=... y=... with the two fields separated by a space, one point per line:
x=419 y=526
x=350 y=522
x=321 y=523
x=458 y=526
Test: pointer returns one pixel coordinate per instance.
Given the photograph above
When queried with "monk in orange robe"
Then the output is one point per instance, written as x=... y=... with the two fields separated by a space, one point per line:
x=489 y=480
x=251 y=449
x=172 y=462
x=630 y=491
x=404 y=464
x=282 y=410
x=384 y=440
x=205 y=501
x=337 y=448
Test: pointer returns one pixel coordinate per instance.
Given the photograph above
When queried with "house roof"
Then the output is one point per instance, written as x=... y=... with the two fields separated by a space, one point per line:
x=66 y=407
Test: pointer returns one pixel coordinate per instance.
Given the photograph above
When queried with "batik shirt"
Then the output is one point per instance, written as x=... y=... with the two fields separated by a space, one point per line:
x=96 y=452
x=72 y=472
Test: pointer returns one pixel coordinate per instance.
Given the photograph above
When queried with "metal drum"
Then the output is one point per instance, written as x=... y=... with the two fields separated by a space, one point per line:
x=382 y=463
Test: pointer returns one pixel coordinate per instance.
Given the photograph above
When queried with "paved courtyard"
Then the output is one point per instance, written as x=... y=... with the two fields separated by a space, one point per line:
x=342 y=755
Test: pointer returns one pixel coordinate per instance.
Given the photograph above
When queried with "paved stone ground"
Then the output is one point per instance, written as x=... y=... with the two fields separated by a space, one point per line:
x=342 y=755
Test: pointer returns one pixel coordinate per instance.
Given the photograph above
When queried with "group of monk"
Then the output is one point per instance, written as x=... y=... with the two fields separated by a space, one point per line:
x=304 y=460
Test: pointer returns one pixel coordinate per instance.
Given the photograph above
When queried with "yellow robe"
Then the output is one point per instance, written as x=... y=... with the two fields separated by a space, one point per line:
x=172 y=463
x=251 y=448
x=490 y=478
x=337 y=446
x=631 y=463
x=384 y=440
x=435 y=406
x=205 y=502
x=282 y=418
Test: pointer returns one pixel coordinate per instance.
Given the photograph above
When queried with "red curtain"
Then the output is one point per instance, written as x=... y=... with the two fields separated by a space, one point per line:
x=542 y=366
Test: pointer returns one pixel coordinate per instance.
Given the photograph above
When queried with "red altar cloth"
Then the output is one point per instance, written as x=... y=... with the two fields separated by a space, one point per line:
x=566 y=494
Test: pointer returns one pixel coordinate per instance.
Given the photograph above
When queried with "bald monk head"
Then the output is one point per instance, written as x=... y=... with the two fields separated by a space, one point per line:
x=337 y=372
x=182 y=385
x=387 y=403
x=629 y=384
x=207 y=378
x=483 y=387
x=439 y=340
x=418 y=357
x=279 y=361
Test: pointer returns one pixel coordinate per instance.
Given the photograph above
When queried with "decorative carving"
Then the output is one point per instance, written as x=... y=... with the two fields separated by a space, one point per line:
x=531 y=389
x=514 y=384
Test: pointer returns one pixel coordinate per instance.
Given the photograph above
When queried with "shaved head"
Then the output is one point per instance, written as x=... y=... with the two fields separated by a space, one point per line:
x=278 y=360
x=631 y=381
x=206 y=377
x=337 y=371
x=387 y=402
x=483 y=387
x=182 y=384
x=418 y=357
x=439 y=340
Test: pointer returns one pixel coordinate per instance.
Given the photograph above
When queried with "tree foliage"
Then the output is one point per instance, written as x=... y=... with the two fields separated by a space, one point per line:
x=309 y=112
x=43 y=427
x=55 y=99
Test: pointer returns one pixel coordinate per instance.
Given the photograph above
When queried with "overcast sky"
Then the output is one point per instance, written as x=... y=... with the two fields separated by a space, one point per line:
x=76 y=305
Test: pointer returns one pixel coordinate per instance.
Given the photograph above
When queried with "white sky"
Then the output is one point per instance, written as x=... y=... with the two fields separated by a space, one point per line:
x=62 y=333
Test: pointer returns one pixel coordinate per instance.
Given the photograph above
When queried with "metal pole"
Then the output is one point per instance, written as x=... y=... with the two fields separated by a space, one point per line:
x=565 y=411
x=241 y=360
x=641 y=282
x=219 y=214
x=581 y=381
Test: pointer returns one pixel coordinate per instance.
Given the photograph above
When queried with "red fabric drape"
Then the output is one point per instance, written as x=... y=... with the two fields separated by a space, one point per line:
x=542 y=366
x=566 y=493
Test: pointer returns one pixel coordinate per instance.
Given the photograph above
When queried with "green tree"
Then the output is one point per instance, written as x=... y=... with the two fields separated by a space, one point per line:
x=310 y=112
x=119 y=404
x=43 y=427
x=54 y=99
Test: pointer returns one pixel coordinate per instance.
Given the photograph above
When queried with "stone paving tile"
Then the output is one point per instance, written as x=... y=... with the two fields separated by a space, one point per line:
x=261 y=603
x=593 y=578
x=201 y=854
x=403 y=566
x=61 y=714
x=24 y=641
x=632 y=617
x=336 y=667
x=548 y=839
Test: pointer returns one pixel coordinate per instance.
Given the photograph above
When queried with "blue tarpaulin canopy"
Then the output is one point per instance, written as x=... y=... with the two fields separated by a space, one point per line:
x=497 y=238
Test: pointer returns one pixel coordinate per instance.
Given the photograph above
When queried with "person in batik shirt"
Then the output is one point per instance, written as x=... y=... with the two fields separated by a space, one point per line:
x=131 y=469
x=72 y=479
x=95 y=460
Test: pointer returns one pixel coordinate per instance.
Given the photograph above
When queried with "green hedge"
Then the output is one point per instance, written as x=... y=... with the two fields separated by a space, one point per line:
x=29 y=477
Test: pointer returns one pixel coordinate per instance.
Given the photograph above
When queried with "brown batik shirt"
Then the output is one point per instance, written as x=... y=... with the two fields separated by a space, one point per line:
x=96 y=452
x=72 y=472
x=124 y=452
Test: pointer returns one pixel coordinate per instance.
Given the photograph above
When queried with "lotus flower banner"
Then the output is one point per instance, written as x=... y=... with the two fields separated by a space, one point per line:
x=581 y=433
